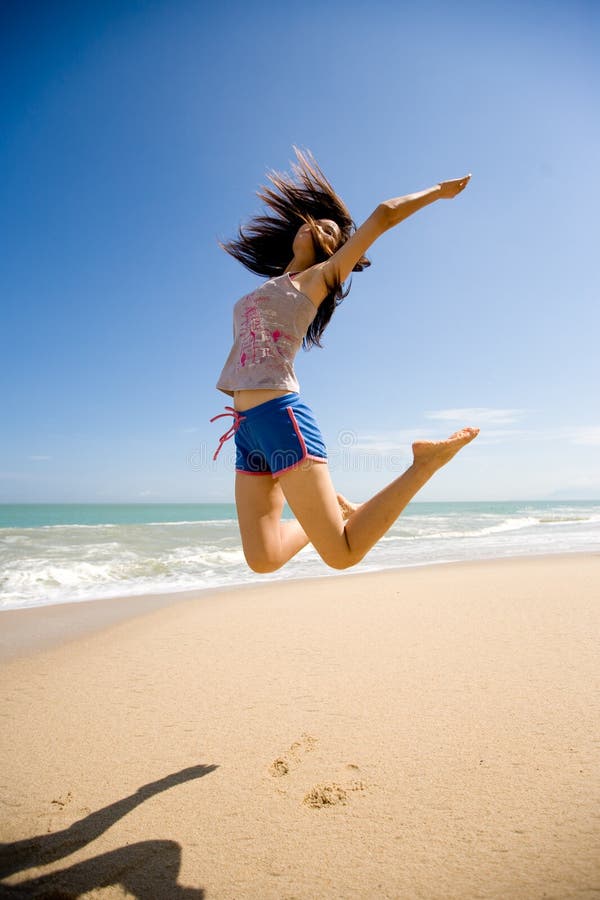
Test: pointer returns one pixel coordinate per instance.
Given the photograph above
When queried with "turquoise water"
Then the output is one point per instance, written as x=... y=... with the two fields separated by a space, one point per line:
x=60 y=553
x=32 y=515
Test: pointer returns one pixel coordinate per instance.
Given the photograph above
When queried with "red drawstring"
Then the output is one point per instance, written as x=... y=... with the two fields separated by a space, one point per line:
x=237 y=418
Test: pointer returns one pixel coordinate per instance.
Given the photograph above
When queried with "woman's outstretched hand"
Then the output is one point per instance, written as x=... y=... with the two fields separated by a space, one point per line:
x=449 y=189
x=392 y=212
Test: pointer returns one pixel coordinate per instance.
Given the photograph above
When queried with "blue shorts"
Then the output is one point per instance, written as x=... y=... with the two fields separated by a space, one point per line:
x=277 y=436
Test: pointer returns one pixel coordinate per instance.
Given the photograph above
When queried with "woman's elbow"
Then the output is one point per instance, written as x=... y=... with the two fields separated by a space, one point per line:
x=384 y=215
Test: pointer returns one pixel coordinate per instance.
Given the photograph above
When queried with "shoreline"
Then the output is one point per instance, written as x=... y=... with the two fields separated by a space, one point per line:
x=34 y=629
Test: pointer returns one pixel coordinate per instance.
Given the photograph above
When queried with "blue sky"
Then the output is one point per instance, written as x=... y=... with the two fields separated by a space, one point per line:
x=133 y=135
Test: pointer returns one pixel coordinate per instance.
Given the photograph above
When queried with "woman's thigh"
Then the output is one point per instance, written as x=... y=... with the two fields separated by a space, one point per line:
x=259 y=500
x=312 y=498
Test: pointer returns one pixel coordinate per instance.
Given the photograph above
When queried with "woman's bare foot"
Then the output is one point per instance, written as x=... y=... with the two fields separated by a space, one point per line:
x=435 y=454
x=346 y=506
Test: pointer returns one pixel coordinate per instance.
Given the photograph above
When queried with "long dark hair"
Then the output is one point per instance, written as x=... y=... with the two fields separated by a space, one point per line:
x=264 y=244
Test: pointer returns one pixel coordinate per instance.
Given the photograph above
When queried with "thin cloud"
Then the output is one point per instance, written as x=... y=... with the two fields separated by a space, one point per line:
x=496 y=431
x=580 y=435
x=477 y=415
x=507 y=435
x=37 y=458
x=588 y=436
x=382 y=441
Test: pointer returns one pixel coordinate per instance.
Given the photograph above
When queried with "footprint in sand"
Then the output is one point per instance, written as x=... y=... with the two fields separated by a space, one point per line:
x=57 y=806
x=60 y=803
x=292 y=756
x=324 y=794
x=331 y=794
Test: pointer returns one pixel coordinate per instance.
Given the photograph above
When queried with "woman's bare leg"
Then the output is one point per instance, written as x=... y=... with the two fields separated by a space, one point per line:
x=267 y=541
x=311 y=496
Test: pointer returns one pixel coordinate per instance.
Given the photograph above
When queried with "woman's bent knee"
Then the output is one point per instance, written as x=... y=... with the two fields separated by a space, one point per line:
x=339 y=564
x=262 y=565
x=340 y=557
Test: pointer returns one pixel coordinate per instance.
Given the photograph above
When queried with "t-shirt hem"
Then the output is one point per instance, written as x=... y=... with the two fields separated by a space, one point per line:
x=293 y=388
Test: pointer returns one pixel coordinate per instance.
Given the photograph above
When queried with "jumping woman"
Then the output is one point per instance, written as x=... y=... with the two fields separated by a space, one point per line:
x=306 y=246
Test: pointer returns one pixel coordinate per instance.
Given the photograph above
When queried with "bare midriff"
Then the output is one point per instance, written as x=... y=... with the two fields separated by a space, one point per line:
x=247 y=399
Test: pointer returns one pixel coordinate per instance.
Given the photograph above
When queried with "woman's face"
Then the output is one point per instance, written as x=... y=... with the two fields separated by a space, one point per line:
x=329 y=236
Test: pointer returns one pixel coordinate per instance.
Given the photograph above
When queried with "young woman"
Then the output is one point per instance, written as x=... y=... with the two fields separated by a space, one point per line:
x=306 y=246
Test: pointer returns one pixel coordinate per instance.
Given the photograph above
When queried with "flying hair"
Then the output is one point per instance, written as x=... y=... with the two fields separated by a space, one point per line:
x=264 y=244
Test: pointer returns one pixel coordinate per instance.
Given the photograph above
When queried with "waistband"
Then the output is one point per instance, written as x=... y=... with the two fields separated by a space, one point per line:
x=269 y=406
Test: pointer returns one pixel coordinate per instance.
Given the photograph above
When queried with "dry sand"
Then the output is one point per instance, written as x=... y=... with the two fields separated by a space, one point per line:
x=423 y=733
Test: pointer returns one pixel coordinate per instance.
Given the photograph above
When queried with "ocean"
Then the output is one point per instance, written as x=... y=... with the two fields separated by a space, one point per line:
x=67 y=553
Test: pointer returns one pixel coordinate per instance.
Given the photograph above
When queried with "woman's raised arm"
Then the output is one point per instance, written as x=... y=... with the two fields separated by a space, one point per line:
x=401 y=208
x=388 y=214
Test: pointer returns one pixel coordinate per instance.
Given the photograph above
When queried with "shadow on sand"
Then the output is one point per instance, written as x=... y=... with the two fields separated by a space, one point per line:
x=148 y=869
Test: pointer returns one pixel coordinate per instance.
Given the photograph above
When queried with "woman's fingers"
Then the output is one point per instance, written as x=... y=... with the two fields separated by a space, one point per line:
x=454 y=186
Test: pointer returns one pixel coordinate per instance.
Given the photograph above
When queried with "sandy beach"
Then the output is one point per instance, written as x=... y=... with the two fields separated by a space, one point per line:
x=421 y=733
